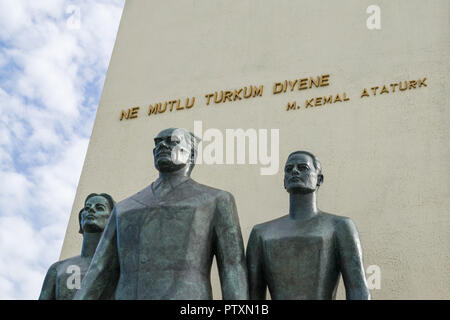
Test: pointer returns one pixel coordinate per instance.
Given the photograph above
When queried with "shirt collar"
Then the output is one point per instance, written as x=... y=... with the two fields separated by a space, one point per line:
x=173 y=180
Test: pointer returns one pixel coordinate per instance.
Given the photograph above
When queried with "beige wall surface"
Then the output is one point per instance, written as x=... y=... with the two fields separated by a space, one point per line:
x=385 y=158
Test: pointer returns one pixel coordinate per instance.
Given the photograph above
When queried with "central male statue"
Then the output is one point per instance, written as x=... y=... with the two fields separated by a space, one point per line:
x=300 y=256
x=160 y=242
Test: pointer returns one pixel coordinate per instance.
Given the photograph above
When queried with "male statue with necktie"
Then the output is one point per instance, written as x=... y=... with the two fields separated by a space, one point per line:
x=160 y=242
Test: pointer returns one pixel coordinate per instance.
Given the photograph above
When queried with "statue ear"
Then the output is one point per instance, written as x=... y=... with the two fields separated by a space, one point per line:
x=284 y=183
x=80 y=230
x=319 y=180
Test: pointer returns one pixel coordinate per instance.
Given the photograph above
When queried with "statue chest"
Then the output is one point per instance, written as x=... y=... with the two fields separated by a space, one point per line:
x=165 y=236
x=299 y=256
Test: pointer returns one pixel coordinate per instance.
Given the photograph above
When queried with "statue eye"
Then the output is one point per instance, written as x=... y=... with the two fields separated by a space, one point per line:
x=288 y=168
x=174 y=141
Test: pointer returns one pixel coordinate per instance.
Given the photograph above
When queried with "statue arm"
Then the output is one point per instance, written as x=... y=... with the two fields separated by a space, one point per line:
x=101 y=278
x=350 y=260
x=48 y=291
x=229 y=250
x=256 y=280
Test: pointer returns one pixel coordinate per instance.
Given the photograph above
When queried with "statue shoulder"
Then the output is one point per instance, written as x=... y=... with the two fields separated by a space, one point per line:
x=269 y=226
x=135 y=201
x=61 y=266
x=224 y=196
x=218 y=194
x=334 y=218
x=342 y=225
x=54 y=268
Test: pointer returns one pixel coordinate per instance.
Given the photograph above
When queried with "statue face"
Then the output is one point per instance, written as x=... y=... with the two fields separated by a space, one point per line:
x=95 y=214
x=172 y=150
x=300 y=175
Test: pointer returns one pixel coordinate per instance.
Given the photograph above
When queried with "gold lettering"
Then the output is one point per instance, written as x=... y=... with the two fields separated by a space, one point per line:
x=393 y=85
x=258 y=91
x=152 y=110
x=237 y=94
x=309 y=103
x=215 y=97
x=277 y=87
x=318 y=101
x=292 y=84
x=228 y=95
x=208 y=98
x=400 y=86
x=291 y=106
x=315 y=82
x=190 y=105
x=324 y=80
x=125 y=114
x=249 y=94
x=422 y=82
x=328 y=100
x=303 y=84
x=364 y=93
x=374 y=90
x=337 y=98
x=345 y=97
x=161 y=108
x=384 y=90
x=171 y=104
x=412 y=84
x=134 y=113
x=179 y=107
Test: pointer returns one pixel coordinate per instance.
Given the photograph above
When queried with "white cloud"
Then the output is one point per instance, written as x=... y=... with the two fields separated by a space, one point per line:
x=48 y=76
x=25 y=249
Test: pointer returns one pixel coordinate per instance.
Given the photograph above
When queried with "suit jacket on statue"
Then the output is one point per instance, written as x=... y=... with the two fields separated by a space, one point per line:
x=160 y=245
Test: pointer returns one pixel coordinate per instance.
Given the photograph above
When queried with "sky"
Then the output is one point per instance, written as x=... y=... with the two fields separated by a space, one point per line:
x=54 y=55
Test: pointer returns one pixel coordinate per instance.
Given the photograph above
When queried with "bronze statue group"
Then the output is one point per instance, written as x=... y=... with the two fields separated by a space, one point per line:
x=159 y=243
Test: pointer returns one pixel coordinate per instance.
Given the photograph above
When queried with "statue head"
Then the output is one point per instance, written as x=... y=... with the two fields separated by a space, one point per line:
x=302 y=173
x=94 y=216
x=174 y=150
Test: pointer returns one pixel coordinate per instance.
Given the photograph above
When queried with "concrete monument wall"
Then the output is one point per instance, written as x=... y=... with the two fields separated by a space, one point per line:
x=385 y=154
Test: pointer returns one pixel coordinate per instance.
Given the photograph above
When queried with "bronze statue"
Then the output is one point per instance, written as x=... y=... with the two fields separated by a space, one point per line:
x=63 y=278
x=301 y=255
x=160 y=242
